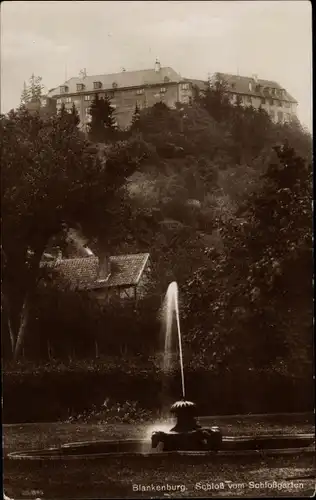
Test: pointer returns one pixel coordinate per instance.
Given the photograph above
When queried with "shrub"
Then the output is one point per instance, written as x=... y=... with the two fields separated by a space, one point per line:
x=56 y=391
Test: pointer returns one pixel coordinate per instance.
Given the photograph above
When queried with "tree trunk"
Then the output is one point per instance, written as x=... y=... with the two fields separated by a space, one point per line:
x=22 y=329
x=49 y=350
x=96 y=349
x=12 y=337
x=18 y=332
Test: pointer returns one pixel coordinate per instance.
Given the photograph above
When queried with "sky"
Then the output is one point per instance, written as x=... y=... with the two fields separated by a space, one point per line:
x=55 y=40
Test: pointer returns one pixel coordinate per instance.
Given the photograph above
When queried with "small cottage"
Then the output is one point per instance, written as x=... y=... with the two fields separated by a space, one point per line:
x=119 y=276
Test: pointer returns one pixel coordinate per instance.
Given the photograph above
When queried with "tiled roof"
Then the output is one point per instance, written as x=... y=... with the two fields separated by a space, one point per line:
x=241 y=86
x=127 y=269
x=124 y=79
x=82 y=273
x=77 y=273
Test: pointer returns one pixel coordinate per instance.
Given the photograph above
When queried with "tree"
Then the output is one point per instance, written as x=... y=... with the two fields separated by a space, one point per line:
x=70 y=116
x=25 y=95
x=136 y=118
x=50 y=176
x=280 y=246
x=33 y=90
x=214 y=98
x=102 y=126
x=259 y=287
x=75 y=115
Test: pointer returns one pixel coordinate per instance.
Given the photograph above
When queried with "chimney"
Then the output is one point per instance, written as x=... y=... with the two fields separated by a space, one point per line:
x=87 y=252
x=104 y=268
x=157 y=66
x=255 y=77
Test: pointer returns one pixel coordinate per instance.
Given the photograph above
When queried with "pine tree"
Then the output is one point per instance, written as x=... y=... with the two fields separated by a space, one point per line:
x=215 y=100
x=75 y=115
x=25 y=95
x=102 y=126
x=36 y=87
x=32 y=91
x=136 y=117
x=62 y=110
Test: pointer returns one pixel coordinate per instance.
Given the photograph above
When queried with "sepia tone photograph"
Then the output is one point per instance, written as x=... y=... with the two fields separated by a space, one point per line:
x=157 y=249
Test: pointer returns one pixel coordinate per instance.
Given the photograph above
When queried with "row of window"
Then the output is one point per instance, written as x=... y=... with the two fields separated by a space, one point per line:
x=271 y=102
x=260 y=88
x=98 y=85
x=80 y=87
x=280 y=116
x=90 y=97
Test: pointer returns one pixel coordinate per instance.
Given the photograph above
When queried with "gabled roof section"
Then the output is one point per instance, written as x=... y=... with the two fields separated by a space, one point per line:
x=241 y=86
x=82 y=273
x=78 y=273
x=126 y=270
x=125 y=79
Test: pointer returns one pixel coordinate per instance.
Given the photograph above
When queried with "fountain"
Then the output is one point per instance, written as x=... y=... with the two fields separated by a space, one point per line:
x=187 y=434
x=187 y=437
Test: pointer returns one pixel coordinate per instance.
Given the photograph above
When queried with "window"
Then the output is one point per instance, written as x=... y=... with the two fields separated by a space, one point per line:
x=185 y=86
x=44 y=102
x=163 y=90
x=263 y=101
x=272 y=114
x=80 y=86
x=287 y=104
x=68 y=99
x=87 y=111
x=233 y=85
x=97 y=85
x=114 y=85
x=271 y=102
x=166 y=79
x=258 y=88
x=59 y=101
x=69 y=111
x=273 y=91
x=63 y=89
x=87 y=97
x=249 y=100
x=287 y=117
x=139 y=91
x=280 y=116
x=280 y=104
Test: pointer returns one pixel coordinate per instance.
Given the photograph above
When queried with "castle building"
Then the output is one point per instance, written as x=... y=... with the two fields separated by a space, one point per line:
x=144 y=88
x=252 y=91
x=126 y=89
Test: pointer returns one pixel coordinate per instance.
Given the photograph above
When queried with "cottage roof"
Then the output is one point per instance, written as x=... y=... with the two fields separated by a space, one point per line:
x=82 y=273
x=124 y=79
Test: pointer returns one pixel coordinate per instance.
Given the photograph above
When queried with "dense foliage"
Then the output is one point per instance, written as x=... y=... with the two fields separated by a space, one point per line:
x=217 y=194
x=51 y=176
